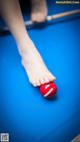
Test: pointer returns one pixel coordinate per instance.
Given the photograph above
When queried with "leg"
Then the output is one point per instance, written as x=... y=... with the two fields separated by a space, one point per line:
x=11 y=13
x=31 y=59
x=39 y=10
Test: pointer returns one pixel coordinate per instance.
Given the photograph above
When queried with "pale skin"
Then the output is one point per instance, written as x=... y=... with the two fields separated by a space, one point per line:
x=31 y=59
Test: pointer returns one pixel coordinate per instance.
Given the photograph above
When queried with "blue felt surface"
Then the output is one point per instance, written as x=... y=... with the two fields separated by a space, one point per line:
x=24 y=114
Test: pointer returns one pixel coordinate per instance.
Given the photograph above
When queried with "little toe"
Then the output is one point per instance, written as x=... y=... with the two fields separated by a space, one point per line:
x=51 y=77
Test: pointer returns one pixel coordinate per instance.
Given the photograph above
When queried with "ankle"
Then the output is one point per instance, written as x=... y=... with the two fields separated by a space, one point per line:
x=24 y=45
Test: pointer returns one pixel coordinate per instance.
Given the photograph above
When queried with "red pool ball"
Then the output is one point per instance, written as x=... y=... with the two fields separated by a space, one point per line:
x=48 y=90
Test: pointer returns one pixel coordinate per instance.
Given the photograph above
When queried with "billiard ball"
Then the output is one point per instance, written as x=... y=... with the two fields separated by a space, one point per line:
x=48 y=90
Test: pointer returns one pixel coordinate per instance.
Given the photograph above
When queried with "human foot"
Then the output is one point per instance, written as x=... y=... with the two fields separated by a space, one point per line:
x=36 y=69
x=38 y=10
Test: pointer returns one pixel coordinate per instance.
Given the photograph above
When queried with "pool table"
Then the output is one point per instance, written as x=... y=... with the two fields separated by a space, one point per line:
x=24 y=113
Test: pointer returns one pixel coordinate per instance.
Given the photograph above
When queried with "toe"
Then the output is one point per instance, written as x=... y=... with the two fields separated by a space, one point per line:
x=46 y=79
x=51 y=77
x=42 y=80
x=38 y=82
x=38 y=17
x=33 y=82
x=33 y=17
x=41 y=18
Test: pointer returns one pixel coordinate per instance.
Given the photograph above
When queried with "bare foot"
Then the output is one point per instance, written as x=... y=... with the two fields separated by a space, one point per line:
x=36 y=69
x=38 y=10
